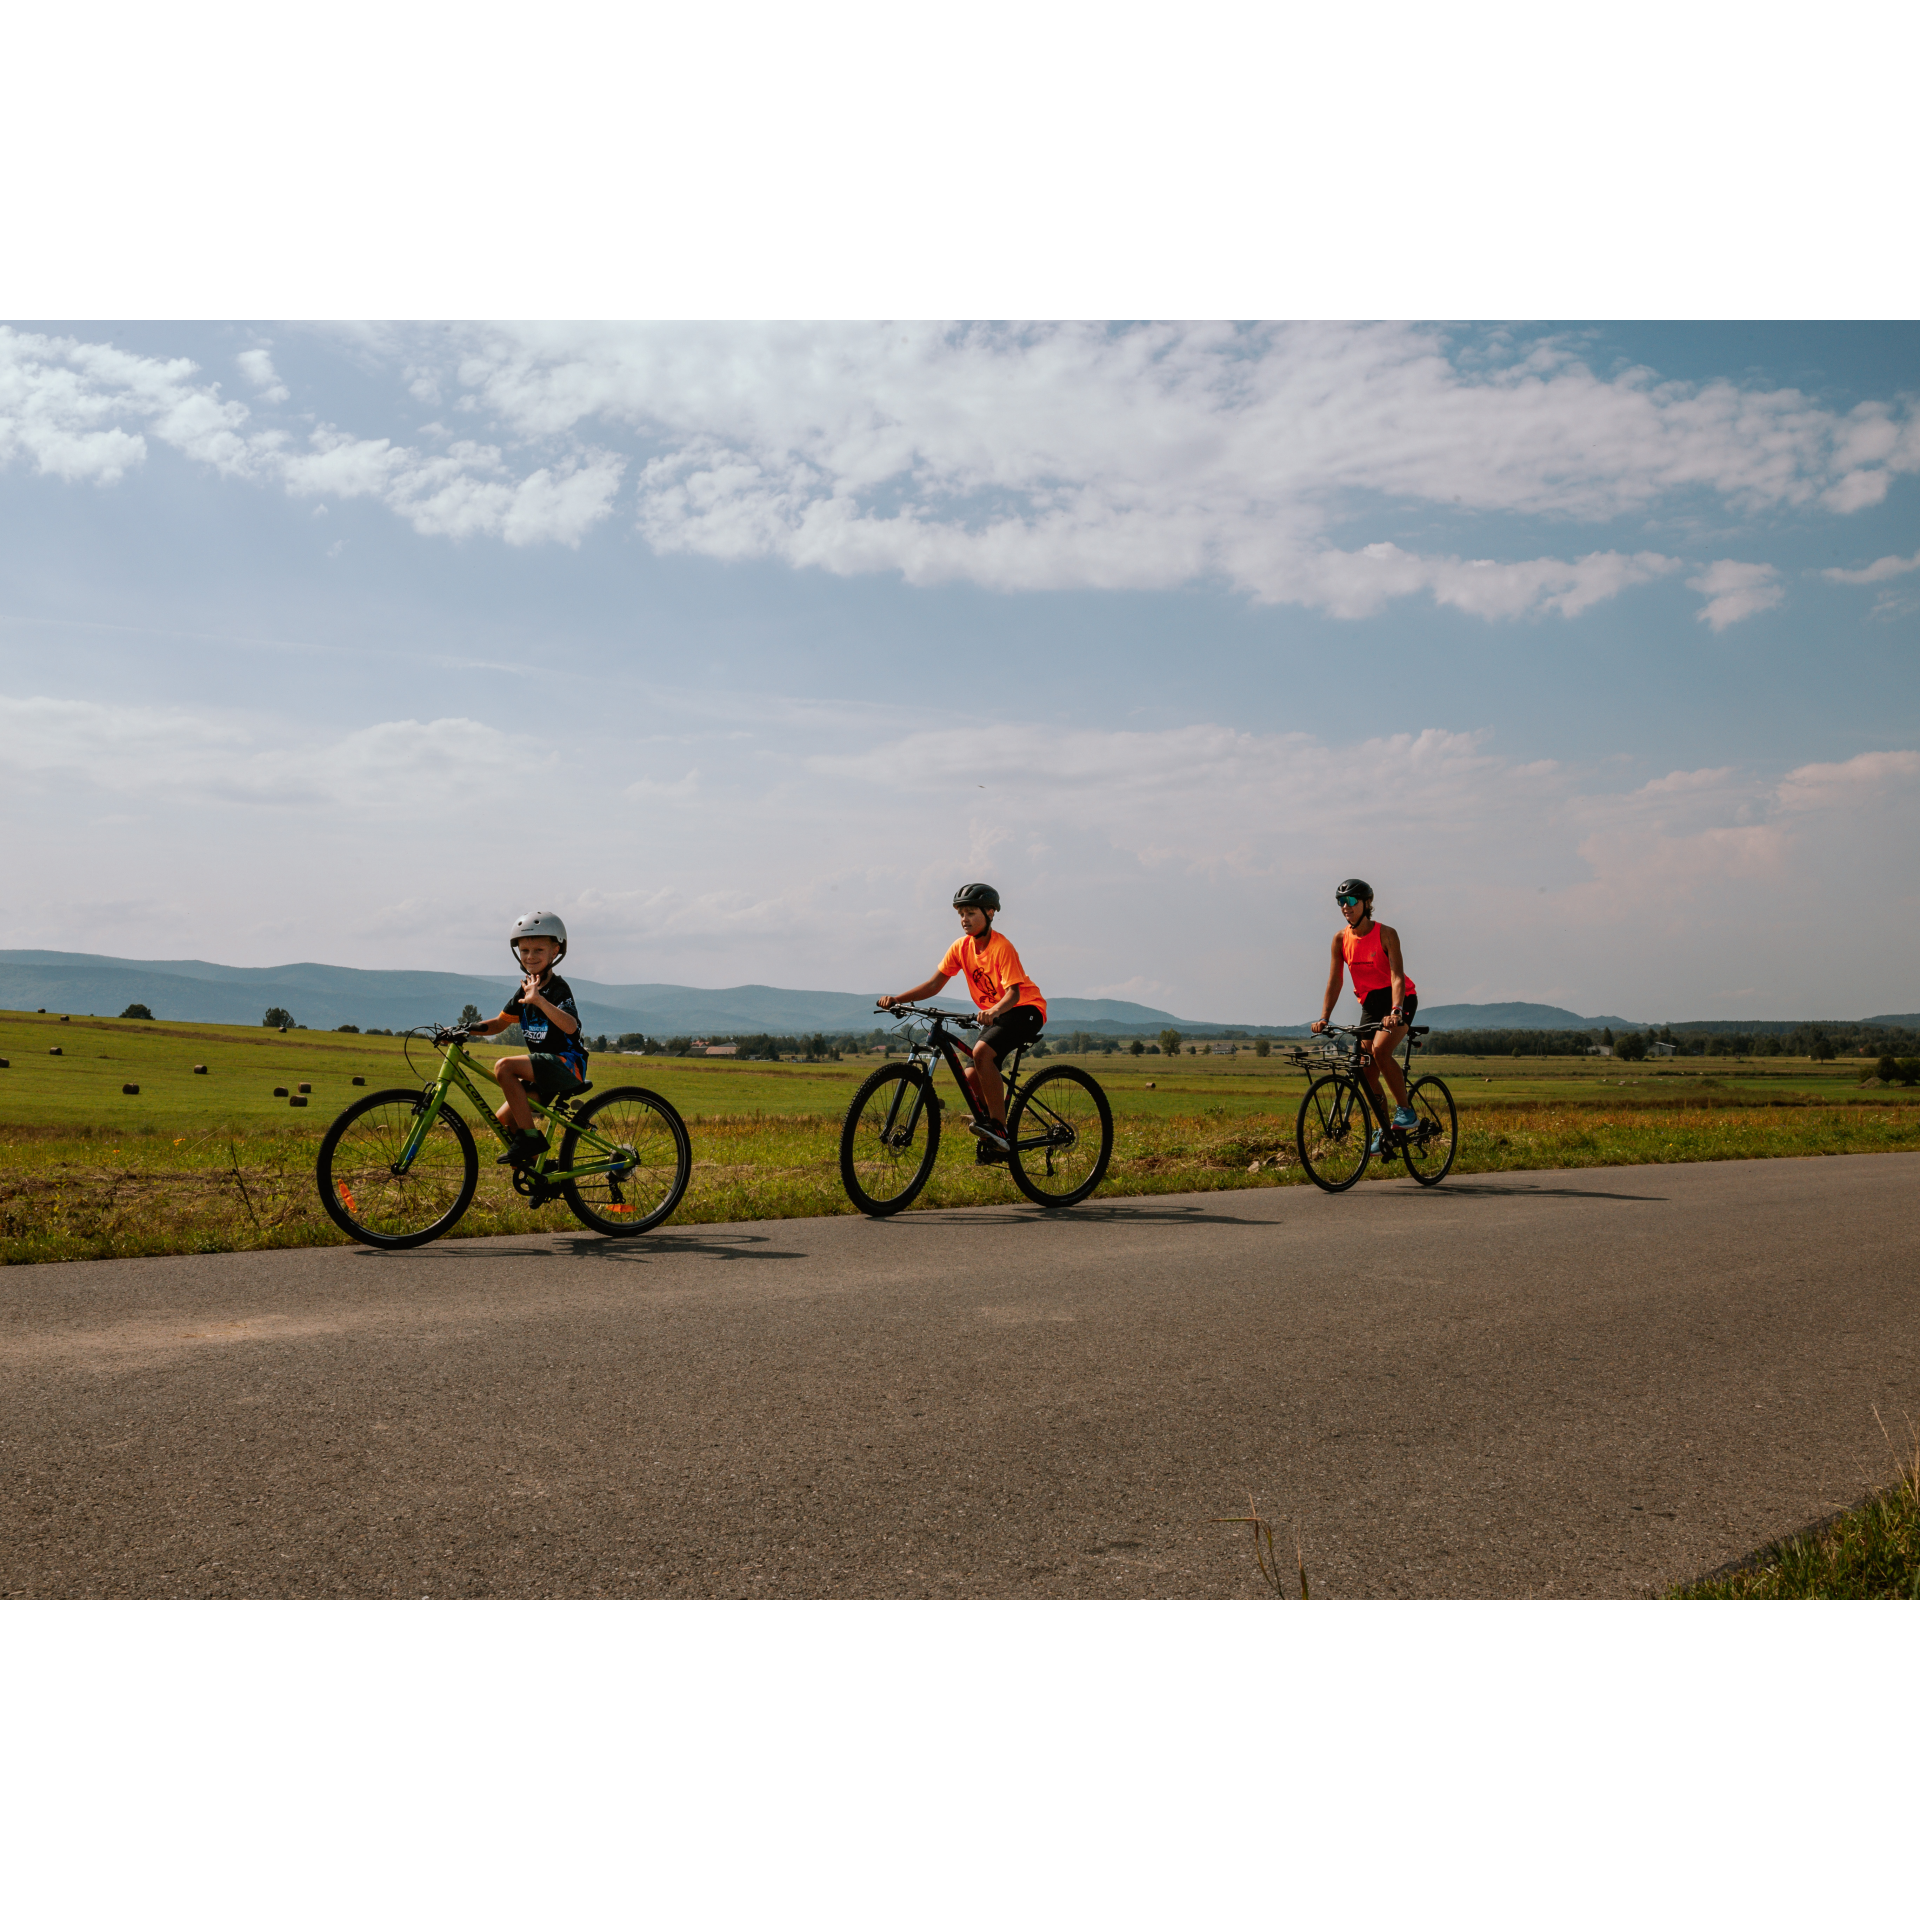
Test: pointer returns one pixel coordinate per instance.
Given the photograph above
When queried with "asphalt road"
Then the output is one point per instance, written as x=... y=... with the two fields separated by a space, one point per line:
x=1584 y=1383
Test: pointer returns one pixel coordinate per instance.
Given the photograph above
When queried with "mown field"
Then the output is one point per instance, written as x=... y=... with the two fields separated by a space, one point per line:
x=203 y=1163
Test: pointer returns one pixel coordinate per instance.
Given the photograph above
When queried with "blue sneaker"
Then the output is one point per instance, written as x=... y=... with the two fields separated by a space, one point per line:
x=1405 y=1118
x=1378 y=1144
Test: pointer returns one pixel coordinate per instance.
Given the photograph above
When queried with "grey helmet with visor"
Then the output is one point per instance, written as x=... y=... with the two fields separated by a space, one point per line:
x=539 y=925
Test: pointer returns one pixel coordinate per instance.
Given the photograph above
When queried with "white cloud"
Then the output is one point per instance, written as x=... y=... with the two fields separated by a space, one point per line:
x=1074 y=456
x=83 y=411
x=1737 y=589
x=1890 y=567
x=1021 y=457
x=175 y=755
x=256 y=364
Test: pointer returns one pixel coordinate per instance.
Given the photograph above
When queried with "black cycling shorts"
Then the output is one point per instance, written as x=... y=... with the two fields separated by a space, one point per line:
x=553 y=1079
x=1017 y=1027
x=1379 y=1003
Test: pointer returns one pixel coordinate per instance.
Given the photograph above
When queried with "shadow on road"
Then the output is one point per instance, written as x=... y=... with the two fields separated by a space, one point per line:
x=1511 y=1193
x=715 y=1245
x=1110 y=1215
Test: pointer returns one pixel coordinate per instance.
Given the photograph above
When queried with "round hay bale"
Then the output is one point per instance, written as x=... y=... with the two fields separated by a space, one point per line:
x=279 y=1093
x=304 y=1086
x=6 y=1063
x=297 y=1100
x=53 y=1049
x=199 y=1069
x=129 y=1088
x=359 y=1079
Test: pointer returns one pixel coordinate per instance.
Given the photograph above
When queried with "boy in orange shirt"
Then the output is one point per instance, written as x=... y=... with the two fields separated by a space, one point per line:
x=1012 y=1011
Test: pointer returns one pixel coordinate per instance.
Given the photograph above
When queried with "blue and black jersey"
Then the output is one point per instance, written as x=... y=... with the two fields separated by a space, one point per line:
x=543 y=1037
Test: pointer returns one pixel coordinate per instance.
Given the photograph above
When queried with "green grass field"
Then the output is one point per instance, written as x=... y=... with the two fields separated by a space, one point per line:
x=203 y=1162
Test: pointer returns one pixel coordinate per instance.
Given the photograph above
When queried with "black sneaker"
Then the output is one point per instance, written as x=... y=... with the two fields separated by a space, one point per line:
x=990 y=1132
x=524 y=1152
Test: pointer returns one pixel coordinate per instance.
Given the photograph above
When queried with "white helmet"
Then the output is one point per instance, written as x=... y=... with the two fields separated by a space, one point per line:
x=539 y=925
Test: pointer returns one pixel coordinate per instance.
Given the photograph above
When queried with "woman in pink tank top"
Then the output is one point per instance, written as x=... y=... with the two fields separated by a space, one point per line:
x=1370 y=952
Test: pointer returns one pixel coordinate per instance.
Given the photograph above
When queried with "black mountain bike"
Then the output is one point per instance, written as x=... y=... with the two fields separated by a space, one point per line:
x=1058 y=1124
x=1340 y=1113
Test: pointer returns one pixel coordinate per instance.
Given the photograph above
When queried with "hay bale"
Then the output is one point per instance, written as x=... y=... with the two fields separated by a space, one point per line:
x=53 y=1050
x=6 y=1063
x=305 y=1086
x=359 y=1079
x=129 y=1088
x=199 y=1069
x=298 y=1100
x=279 y=1093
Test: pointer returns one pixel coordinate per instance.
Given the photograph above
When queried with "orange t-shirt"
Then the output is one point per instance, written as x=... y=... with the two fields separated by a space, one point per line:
x=990 y=974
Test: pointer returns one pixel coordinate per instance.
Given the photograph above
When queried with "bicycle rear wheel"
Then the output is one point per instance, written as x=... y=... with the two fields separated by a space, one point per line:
x=1333 y=1132
x=657 y=1162
x=370 y=1195
x=889 y=1139
x=1061 y=1131
x=1430 y=1147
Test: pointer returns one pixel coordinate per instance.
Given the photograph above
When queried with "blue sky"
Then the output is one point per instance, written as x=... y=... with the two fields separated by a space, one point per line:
x=1593 y=647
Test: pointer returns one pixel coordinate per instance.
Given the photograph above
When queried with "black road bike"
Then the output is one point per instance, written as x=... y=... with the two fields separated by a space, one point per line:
x=1340 y=1115
x=1059 y=1125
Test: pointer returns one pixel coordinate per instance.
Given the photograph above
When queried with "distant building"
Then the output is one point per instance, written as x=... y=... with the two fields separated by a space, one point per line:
x=1605 y=1052
x=1224 y=1046
x=720 y=1052
x=1660 y=1049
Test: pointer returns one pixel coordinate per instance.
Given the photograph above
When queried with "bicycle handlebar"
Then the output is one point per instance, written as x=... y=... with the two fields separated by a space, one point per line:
x=908 y=1012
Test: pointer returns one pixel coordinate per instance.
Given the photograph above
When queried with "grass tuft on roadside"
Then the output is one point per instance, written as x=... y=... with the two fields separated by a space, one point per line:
x=1870 y=1552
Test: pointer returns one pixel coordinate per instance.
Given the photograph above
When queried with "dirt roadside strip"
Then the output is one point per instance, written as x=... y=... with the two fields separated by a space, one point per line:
x=1594 y=1382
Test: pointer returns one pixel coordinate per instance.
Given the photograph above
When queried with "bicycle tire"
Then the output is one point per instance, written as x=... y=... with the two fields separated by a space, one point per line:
x=1429 y=1152
x=881 y=1174
x=364 y=1195
x=1326 y=1133
x=645 y=1125
x=1049 y=1170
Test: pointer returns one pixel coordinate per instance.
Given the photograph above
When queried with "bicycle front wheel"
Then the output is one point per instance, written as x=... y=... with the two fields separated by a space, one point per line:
x=366 y=1190
x=1431 y=1145
x=889 y=1139
x=1061 y=1131
x=1333 y=1133
x=640 y=1181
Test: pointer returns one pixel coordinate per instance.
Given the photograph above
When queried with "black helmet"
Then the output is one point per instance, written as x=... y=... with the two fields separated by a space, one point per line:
x=976 y=893
x=1348 y=888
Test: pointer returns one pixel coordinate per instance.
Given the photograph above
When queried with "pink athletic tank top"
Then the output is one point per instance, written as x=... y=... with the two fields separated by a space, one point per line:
x=1366 y=959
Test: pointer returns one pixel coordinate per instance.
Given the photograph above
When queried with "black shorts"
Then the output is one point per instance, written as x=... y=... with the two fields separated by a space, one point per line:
x=1379 y=1003
x=1017 y=1027
x=553 y=1079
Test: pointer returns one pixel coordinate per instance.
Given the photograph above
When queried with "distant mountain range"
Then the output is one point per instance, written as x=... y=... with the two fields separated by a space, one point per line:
x=319 y=996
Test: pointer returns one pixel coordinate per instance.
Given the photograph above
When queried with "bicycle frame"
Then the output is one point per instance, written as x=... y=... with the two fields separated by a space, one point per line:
x=921 y=1053
x=1352 y=1066
x=454 y=1066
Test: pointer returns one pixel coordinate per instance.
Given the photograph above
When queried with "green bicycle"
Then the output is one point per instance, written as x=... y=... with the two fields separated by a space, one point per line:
x=399 y=1167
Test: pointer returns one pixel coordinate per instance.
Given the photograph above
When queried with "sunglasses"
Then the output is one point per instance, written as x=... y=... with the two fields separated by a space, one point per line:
x=1347 y=899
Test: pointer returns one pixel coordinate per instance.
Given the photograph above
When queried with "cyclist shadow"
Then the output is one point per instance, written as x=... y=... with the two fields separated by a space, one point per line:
x=1109 y=1215
x=1407 y=1191
x=740 y=1246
